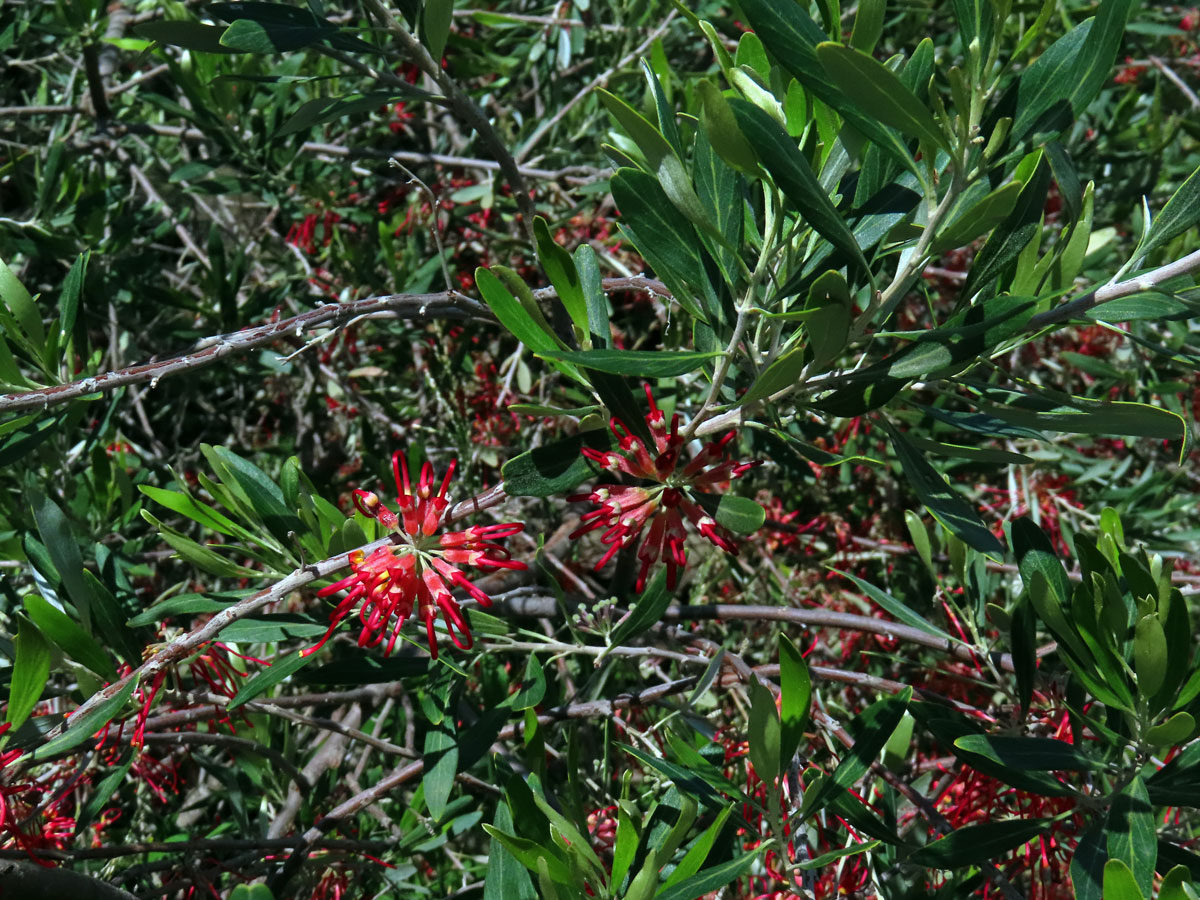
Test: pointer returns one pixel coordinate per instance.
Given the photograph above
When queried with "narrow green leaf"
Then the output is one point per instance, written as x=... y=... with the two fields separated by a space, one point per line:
x=978 y=219
x=506 y=878
x=1132 y=836
x=943 y=503
x=265 y=679
x=1016 y=231
x=1179 y=214
x=897 y=608
x=436 y=18
x=593 y=295
x=31 y=666
x=646 y=612
x=795 y=691
x=60 y=543
x=560 y=269
x=23 y=309
x=71 y=639
x=81 y=728
x=711 y=879
x=250 y=36
x=718 y=123
x=880 y=93
x=441 y=765
x=977 y=844
x=512 y=314
x=194 y=36
x=778 y=152
x=637 y=363
x=665 y=239
x=763 y=733
x=792 y=37
x=1029 y=753
x=320 y=110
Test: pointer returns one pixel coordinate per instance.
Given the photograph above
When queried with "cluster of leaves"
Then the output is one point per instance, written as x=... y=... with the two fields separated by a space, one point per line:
x=896 y=260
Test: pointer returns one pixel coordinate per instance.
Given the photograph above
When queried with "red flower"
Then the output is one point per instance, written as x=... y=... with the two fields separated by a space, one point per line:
x=670 y=496
x=419 y=567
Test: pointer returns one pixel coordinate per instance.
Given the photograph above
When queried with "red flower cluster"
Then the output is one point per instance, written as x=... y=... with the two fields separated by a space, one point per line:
x=671 y=494
x=419 y=568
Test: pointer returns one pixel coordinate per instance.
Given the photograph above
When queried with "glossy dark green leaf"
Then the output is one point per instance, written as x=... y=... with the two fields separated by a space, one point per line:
x=942 y=501
x=1098 y=417
x=257 y=489
x=69 y=300
x=637 y=363
x=1132 y=834
x=646 y=612
x=1087 y=863
x=685 y=779
x=512 y=314
x=185 y=505
x=1179 y=214
x=1035 y=553
x=263 y=680
x=665 y=239
x=185 y=605
x=777 y=151
x=198 y=555
x=193 y=36
x=1023 y=639
x=359 y=670
x=975 y=844
x=1029 y=753
x=554 y=468
x=741 y=515
x=665 y=165
x=441 y=765
x=82 y=728
x=1061 y=82
x=32 y=655
x=795 y=699
x=249 y=36
x=880 y=93
x=70 y=638
x=722 y=192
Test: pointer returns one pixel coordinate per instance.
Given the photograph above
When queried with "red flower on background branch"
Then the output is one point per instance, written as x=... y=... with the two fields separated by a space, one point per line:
x=420 y=568
x=665 y=496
